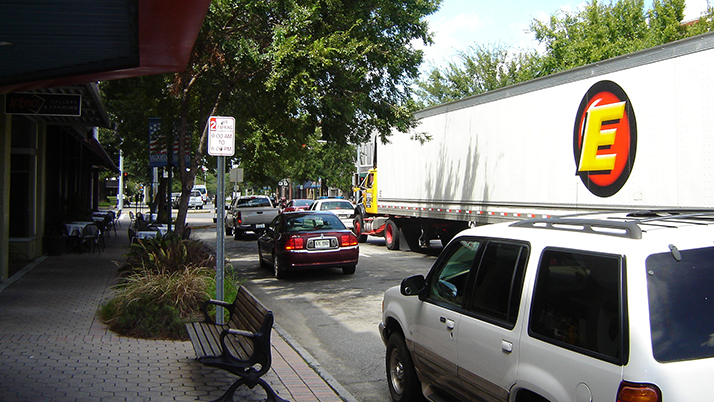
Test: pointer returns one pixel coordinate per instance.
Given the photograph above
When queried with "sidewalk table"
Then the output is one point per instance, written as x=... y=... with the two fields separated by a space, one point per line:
x=76 y=228
x=163 y=229
x=147 y=234
x=101 y=213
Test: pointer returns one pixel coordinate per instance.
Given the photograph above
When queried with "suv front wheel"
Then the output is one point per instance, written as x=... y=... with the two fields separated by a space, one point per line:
x=403 y=383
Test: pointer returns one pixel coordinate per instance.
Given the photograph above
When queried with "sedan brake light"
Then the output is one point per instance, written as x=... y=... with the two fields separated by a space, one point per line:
x=348 y=240
x=295 y=243
x=631 y=392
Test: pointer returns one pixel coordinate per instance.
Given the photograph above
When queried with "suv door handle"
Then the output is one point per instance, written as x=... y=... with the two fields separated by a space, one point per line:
x=449 y=323
x=506 y=346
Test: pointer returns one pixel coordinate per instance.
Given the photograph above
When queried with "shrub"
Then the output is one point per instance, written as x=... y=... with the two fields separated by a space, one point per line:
x=163 y=284
x=168 y=254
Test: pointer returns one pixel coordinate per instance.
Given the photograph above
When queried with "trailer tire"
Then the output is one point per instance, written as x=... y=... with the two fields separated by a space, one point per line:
x=391 y=235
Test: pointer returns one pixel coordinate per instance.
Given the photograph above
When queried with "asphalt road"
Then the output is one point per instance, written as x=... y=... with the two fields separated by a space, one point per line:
x=332 y=315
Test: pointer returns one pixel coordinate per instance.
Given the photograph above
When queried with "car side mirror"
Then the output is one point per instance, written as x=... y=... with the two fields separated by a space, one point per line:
x=412 y=286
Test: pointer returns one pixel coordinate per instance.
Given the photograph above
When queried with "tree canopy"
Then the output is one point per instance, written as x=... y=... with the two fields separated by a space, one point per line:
x=598 y=31
x=292 y=73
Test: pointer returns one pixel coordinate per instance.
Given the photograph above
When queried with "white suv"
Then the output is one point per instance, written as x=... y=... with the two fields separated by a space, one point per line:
x=603 y=307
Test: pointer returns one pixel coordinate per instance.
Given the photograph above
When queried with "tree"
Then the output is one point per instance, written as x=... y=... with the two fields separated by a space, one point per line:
x=480 y=69
x=597 y=32
x=284 y=70
x=602 y=31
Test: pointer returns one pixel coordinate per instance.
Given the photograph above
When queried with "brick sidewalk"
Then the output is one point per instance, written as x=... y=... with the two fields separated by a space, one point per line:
x=53 y=347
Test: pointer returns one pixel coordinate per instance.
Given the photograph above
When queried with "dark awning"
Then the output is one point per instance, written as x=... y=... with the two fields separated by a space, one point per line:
x=47 y=44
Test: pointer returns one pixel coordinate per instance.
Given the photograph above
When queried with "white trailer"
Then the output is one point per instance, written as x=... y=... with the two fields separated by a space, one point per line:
x=633 y=132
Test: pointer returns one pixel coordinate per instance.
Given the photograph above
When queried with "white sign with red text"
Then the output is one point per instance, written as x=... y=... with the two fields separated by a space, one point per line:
x=221 y=136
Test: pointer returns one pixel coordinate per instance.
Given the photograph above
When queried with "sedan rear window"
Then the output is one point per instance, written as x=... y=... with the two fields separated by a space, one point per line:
x=304 y=223
x=331 y=205
x=680 y=289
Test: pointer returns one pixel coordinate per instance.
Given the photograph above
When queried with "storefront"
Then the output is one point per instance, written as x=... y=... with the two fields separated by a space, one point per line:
x=50 y=161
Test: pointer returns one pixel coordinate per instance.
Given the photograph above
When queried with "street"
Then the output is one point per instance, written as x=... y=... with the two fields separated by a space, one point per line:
x=332 y=315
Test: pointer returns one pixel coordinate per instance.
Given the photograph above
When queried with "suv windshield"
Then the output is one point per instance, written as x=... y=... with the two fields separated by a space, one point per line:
x=681 y=300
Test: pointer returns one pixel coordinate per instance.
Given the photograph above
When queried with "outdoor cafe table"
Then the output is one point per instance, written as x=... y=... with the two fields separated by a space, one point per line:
x=163 y=229
x=76 y=228
x=152 y=231
x=147 y=234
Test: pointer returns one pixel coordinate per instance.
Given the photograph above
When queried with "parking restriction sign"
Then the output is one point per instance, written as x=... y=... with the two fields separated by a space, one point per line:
x=221 y=136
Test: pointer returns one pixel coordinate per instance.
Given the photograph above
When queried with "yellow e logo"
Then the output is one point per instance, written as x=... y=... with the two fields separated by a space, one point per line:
x=605 y=139
x=594 y=137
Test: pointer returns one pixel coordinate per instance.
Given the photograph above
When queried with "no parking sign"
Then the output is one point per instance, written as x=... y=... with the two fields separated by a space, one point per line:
x=221 y=136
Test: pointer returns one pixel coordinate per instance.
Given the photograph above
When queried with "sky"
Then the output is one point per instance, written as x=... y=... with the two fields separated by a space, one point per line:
x=463 y=23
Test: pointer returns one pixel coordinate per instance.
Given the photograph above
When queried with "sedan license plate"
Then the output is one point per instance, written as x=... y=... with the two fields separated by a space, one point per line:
x=320 y=244
x=260 y=226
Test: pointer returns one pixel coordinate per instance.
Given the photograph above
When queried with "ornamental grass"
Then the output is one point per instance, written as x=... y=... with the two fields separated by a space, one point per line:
x=161 y=288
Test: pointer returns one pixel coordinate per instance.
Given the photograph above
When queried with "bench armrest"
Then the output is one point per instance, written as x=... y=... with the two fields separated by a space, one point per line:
x=261 y=346
x=253 y=338
x=204 y=308
x=239 y=332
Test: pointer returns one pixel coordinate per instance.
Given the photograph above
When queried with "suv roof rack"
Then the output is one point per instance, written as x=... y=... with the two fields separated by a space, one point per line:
x=621 y=228
x=627 y=229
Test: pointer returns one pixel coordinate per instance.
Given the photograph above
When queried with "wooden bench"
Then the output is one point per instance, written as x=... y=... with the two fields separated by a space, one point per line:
x=241 y=346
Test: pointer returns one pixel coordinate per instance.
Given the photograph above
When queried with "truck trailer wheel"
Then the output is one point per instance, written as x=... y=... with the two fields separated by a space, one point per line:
x=391 y=235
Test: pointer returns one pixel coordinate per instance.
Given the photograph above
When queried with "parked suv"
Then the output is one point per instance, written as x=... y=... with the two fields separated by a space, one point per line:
x=604 y=308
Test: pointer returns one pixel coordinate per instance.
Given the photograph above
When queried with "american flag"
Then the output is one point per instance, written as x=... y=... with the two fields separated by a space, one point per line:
x=157 y=145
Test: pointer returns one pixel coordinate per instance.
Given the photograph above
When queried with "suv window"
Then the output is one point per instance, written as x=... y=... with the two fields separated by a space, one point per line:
x=681 y=300
x=576 y=303
x=499 y=282
x=448 y=280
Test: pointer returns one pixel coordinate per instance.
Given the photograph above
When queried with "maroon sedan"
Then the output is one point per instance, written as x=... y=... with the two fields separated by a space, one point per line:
x=308 y=239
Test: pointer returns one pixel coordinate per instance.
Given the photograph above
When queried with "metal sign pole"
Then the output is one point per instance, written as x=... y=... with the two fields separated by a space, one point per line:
x=221 y=143
x=220 y=235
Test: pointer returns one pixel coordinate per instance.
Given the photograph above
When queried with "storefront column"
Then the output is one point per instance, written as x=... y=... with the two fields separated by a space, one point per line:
x=5 y=148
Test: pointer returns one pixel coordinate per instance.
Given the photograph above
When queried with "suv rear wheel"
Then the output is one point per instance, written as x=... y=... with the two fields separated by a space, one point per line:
x=403 y=383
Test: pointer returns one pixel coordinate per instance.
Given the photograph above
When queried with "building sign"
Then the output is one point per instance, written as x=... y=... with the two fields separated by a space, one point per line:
x=41 y=104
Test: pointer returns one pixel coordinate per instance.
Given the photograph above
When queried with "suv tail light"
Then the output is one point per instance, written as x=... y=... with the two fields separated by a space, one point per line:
x=631 y=392
x=239 y=219
x=295 y=243
x=348 y=240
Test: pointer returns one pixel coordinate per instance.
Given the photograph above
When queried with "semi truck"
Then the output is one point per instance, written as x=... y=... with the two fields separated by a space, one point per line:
x=632 y=132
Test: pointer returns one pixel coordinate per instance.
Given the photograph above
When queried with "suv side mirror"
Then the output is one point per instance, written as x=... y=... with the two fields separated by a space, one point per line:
x=413 y=285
